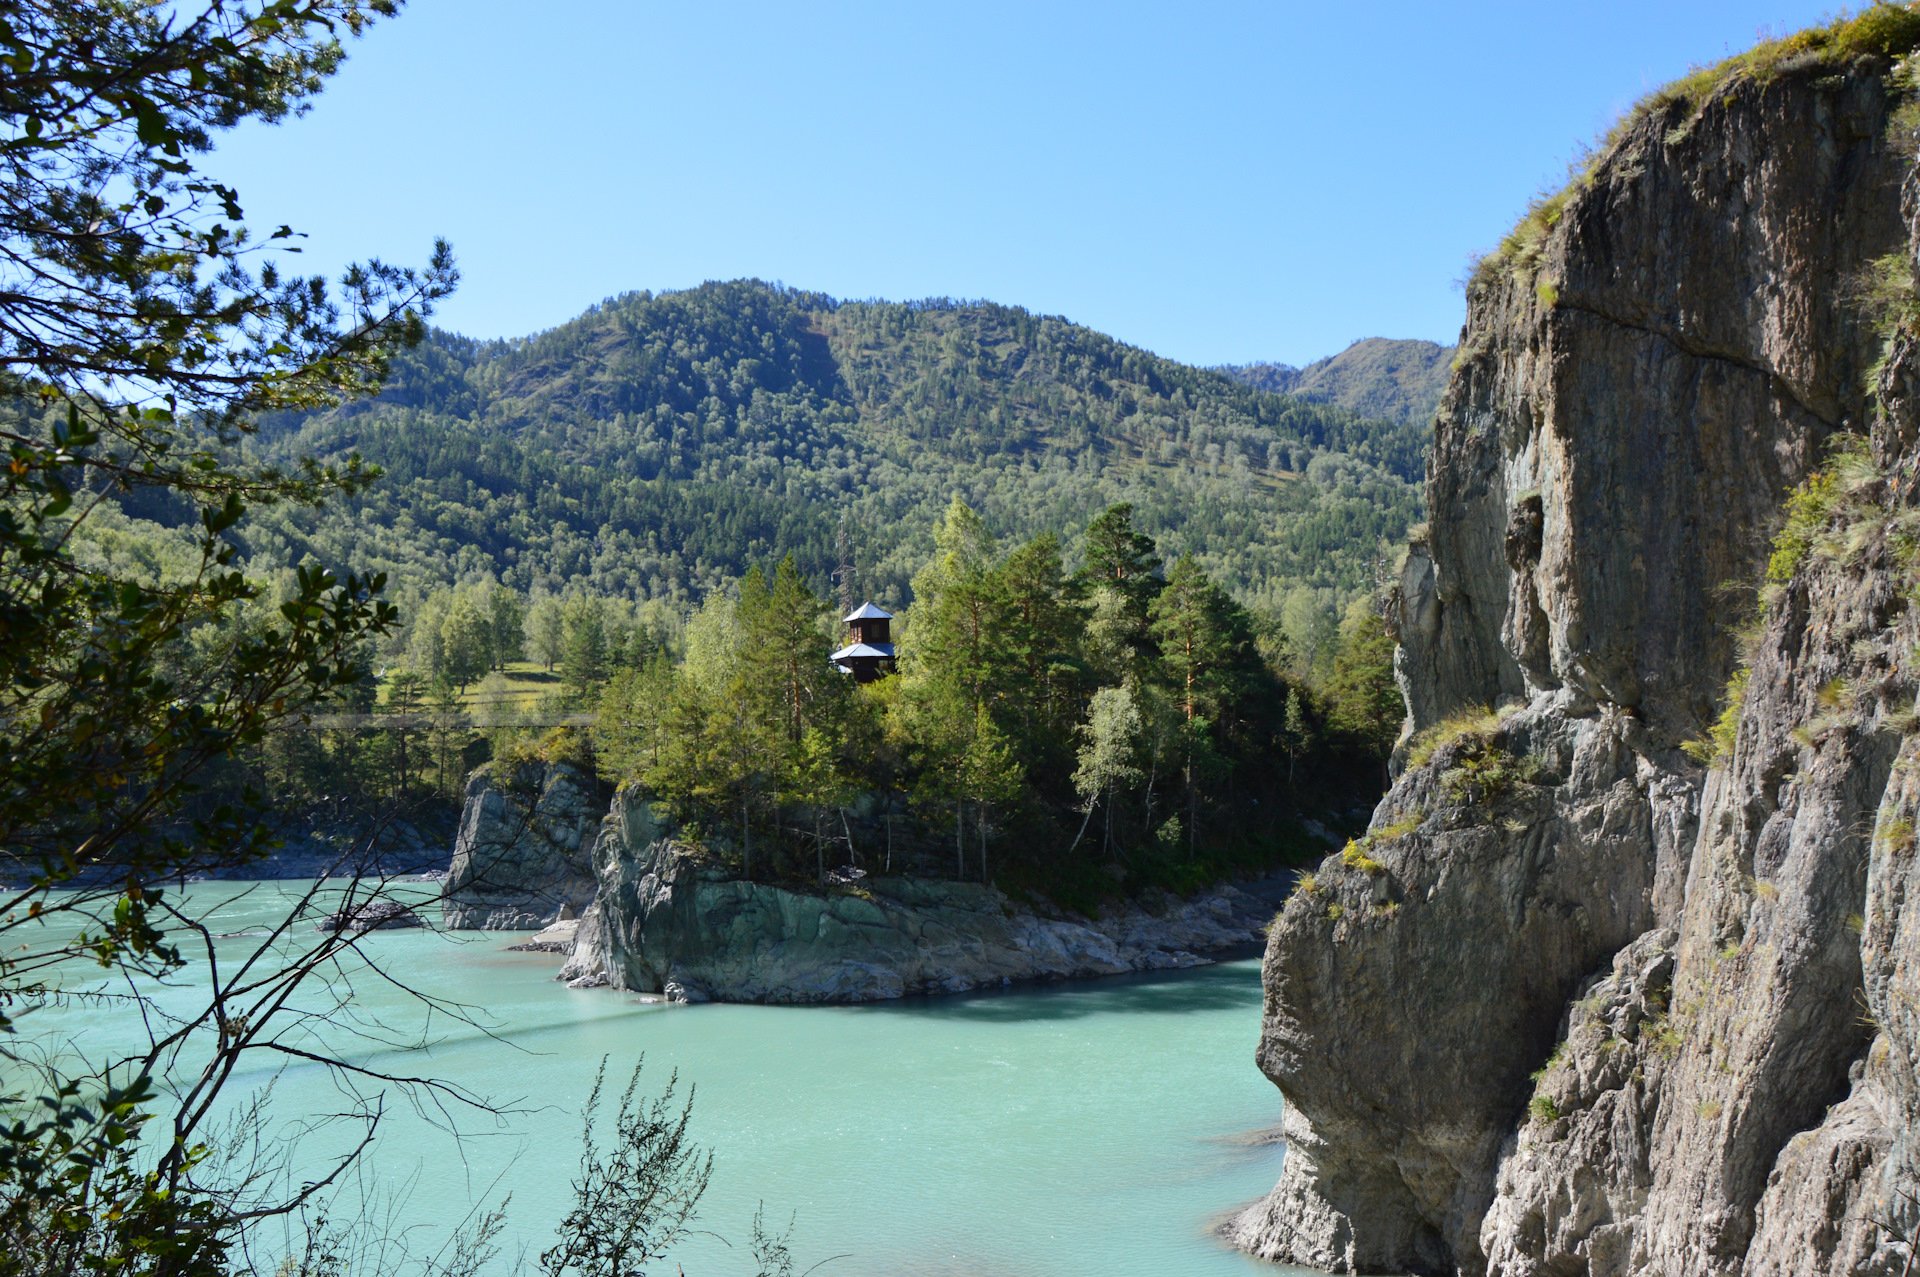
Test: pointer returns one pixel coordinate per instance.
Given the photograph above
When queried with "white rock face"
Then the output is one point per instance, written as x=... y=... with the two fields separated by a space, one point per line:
x=1587 y=1007
x=524 y=856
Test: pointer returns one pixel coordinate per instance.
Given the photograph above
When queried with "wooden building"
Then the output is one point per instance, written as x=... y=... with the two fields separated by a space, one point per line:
x=868 y=654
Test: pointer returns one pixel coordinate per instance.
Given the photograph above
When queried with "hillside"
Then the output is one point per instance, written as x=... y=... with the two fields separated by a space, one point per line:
x=660 y=443
x=1376 y=377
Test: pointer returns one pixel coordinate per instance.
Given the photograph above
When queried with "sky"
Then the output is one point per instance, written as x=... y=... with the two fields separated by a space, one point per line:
x=1216 y=182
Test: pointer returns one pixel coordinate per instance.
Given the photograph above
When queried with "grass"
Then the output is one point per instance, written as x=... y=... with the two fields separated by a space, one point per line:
x=1354 y=856
x=1897 y=835
x=1544 y=1109
x=1559 y=1054
x=1477 y=722
x=1664 y=1036
x=1488 y=774
x=1717 y=745
x=1398 y=829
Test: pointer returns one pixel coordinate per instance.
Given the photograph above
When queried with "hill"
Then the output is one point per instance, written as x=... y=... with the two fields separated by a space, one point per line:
x=1375 y=377
x=659 y=444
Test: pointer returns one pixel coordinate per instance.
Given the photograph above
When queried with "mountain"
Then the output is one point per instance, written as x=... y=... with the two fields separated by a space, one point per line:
x=1625 y=976
x=659 y=444
x=1375 y=377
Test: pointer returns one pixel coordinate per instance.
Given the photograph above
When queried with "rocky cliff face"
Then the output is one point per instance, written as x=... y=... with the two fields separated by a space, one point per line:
x=523 y=857
x=1580 y=1003
x=670 y=921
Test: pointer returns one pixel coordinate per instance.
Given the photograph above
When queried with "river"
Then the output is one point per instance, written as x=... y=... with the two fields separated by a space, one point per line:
x=1099 y=1127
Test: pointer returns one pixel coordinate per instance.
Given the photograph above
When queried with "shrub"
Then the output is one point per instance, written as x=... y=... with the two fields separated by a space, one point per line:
x=1398 y=829
x=1544 y=1110
x=1355 y=856
x=1485 y=776
x=1717 y=745
x=1478 y=721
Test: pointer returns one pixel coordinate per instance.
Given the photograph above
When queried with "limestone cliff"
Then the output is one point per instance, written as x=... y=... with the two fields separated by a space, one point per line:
x=523 y=857
x=1582 y=1003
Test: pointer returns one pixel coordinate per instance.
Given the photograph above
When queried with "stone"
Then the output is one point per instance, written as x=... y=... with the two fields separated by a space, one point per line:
x=523 y=856
x=374 y=915
x=670 y=920
x=1621 y=1012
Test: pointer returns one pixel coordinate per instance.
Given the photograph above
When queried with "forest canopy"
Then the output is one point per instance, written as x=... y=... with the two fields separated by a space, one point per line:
x=660 y=444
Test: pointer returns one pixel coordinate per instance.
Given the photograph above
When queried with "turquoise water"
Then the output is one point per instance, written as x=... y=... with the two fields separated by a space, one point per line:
x=1092 y=1128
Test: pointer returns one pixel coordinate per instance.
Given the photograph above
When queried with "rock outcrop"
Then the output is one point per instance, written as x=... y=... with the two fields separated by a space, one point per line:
x=1581 y=1003
x=524 y=855
x=668 y=920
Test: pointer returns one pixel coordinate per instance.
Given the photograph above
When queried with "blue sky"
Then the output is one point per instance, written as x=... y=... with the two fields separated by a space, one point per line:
x=1218 y=182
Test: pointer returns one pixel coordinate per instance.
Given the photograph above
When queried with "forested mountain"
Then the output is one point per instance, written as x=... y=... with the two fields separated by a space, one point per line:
x=660 y=443
x=1375 y=377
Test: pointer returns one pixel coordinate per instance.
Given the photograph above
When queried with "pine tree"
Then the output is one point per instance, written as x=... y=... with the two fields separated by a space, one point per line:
x=1206 y=651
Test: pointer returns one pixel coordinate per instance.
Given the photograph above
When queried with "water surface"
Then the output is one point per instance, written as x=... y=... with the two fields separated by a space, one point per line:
x=1098 y=1127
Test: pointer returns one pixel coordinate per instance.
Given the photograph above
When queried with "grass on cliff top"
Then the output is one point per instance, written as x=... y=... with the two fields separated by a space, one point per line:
x=1882 y=30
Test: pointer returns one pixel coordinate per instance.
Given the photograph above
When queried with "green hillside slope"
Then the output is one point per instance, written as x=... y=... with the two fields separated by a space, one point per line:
x=1376 y=377
x=659 y=444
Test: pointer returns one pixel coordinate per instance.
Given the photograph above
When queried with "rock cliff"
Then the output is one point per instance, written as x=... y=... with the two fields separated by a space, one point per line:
x=524 y=854
x=670 y=921
x=1584 y=1001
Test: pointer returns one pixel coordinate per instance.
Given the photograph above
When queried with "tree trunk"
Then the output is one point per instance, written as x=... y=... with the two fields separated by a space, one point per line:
x=1106 y=842
x=1084 y=822
x=853 y=857
x=959 y=838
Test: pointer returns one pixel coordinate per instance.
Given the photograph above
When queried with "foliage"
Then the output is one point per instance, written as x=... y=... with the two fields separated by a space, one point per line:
x=1809 y=507
x=1355 y=855
x=1020 y=711
x=1375 y=377
x=1473 y=723
x=636 y=1195
x=1483 y=775
x=660 y=444
x=144 y=329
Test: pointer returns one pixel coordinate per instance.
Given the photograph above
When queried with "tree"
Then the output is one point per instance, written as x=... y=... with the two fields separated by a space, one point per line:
x=1367 y=706
x=466 y=641
x=1039 y=664
x=583 y=660
x=1296 y=732
x=506 y=614
x=1106 y=753
x=546 y=629
x=991 y=776
x=1121 y=557
x=1206 y=649
x=141 y=331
